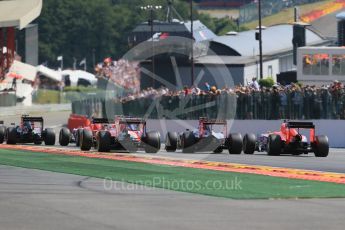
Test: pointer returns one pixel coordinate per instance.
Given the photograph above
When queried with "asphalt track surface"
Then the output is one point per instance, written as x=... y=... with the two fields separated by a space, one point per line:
x=33 y=199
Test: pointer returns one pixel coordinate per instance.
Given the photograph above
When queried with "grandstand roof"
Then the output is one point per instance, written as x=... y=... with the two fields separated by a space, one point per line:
x=19 y=13
x=276 y=39
x=201 y=32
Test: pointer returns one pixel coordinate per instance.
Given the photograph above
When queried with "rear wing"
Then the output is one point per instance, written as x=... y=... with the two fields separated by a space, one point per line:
x=129 y=120
x=32 y=119
x=301 y=125
x=100 y=121
x=212 y=121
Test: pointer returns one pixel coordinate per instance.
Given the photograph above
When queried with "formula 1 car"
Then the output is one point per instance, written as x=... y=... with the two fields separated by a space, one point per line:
x=72 y=133
x=30 y=130
x=288 y=140
x=205 y=139
x=125 y=133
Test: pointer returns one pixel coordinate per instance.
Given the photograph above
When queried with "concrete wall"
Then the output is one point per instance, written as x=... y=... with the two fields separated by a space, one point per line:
x=334 y=129
x=270 y=69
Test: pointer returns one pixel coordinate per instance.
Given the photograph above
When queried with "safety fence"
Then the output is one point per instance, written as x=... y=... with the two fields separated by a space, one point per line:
x=259 y=105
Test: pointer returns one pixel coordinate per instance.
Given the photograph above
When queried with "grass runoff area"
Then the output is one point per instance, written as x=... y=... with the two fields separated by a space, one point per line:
x=199 y=181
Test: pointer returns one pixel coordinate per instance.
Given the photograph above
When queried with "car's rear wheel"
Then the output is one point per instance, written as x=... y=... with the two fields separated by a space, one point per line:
x=77 y=137
x=11 y=136
x=171 y=142
x=188 y=142
x=321 y=146
x=49 y=136
x=274 y=145
x=103 y=141
x=2 y=134
x=85 y=140
x=64 y=136
x=152 y=142
x=235 y=143
x=249 y=143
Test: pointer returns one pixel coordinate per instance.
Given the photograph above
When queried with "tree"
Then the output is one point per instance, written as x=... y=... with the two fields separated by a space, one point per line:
x=75 y=28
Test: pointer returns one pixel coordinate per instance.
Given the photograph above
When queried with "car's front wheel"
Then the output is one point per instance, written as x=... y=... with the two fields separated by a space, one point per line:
x=64 y=136
x=235 y=143
x=152 y=142
x=249 y=143
x=274 y=145
x=171 y=142
x=103 y=141
x=85 y=140
x=49 y=136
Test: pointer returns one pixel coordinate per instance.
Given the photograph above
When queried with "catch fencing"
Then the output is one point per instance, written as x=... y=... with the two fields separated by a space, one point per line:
x=261 y=105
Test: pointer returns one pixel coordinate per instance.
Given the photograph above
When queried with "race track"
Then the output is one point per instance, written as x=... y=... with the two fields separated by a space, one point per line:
x=335 y=162
x=33 y=199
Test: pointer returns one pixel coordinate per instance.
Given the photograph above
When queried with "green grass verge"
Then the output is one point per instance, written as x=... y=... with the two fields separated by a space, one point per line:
x=206 y=182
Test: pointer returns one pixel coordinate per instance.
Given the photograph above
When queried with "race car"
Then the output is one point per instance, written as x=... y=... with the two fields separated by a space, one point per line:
x=205 y=139
x=30 y=130
x=72 y=132
x=288 y=140
x=126 y=133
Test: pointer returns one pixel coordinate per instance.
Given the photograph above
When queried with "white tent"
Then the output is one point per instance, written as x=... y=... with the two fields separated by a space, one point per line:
x=75 y=75
x=52 y=74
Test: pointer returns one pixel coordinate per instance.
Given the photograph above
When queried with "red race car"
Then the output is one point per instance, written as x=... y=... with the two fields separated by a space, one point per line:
x=125 y=133
x=72 y=132
x=288 y=140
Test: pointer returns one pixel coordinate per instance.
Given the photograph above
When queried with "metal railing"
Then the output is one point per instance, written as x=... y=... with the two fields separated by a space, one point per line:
x=256 y=105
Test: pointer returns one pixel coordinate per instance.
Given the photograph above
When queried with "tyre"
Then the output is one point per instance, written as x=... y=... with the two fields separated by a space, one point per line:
x=77 y=137
x=49 y=136
x=321 y=146
x=235 y=143
x=171 y=142
x=11 y=135
x=274 y=145
x=188 y=142
x=103 y=141
x=64 y=136
x=152 y=142
x=2 y=134
x=249 y=143
x=85 y=140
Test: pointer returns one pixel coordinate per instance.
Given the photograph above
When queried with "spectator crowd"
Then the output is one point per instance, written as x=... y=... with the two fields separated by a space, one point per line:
x=122 y=73
x=244 y=102
x=292 y=101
